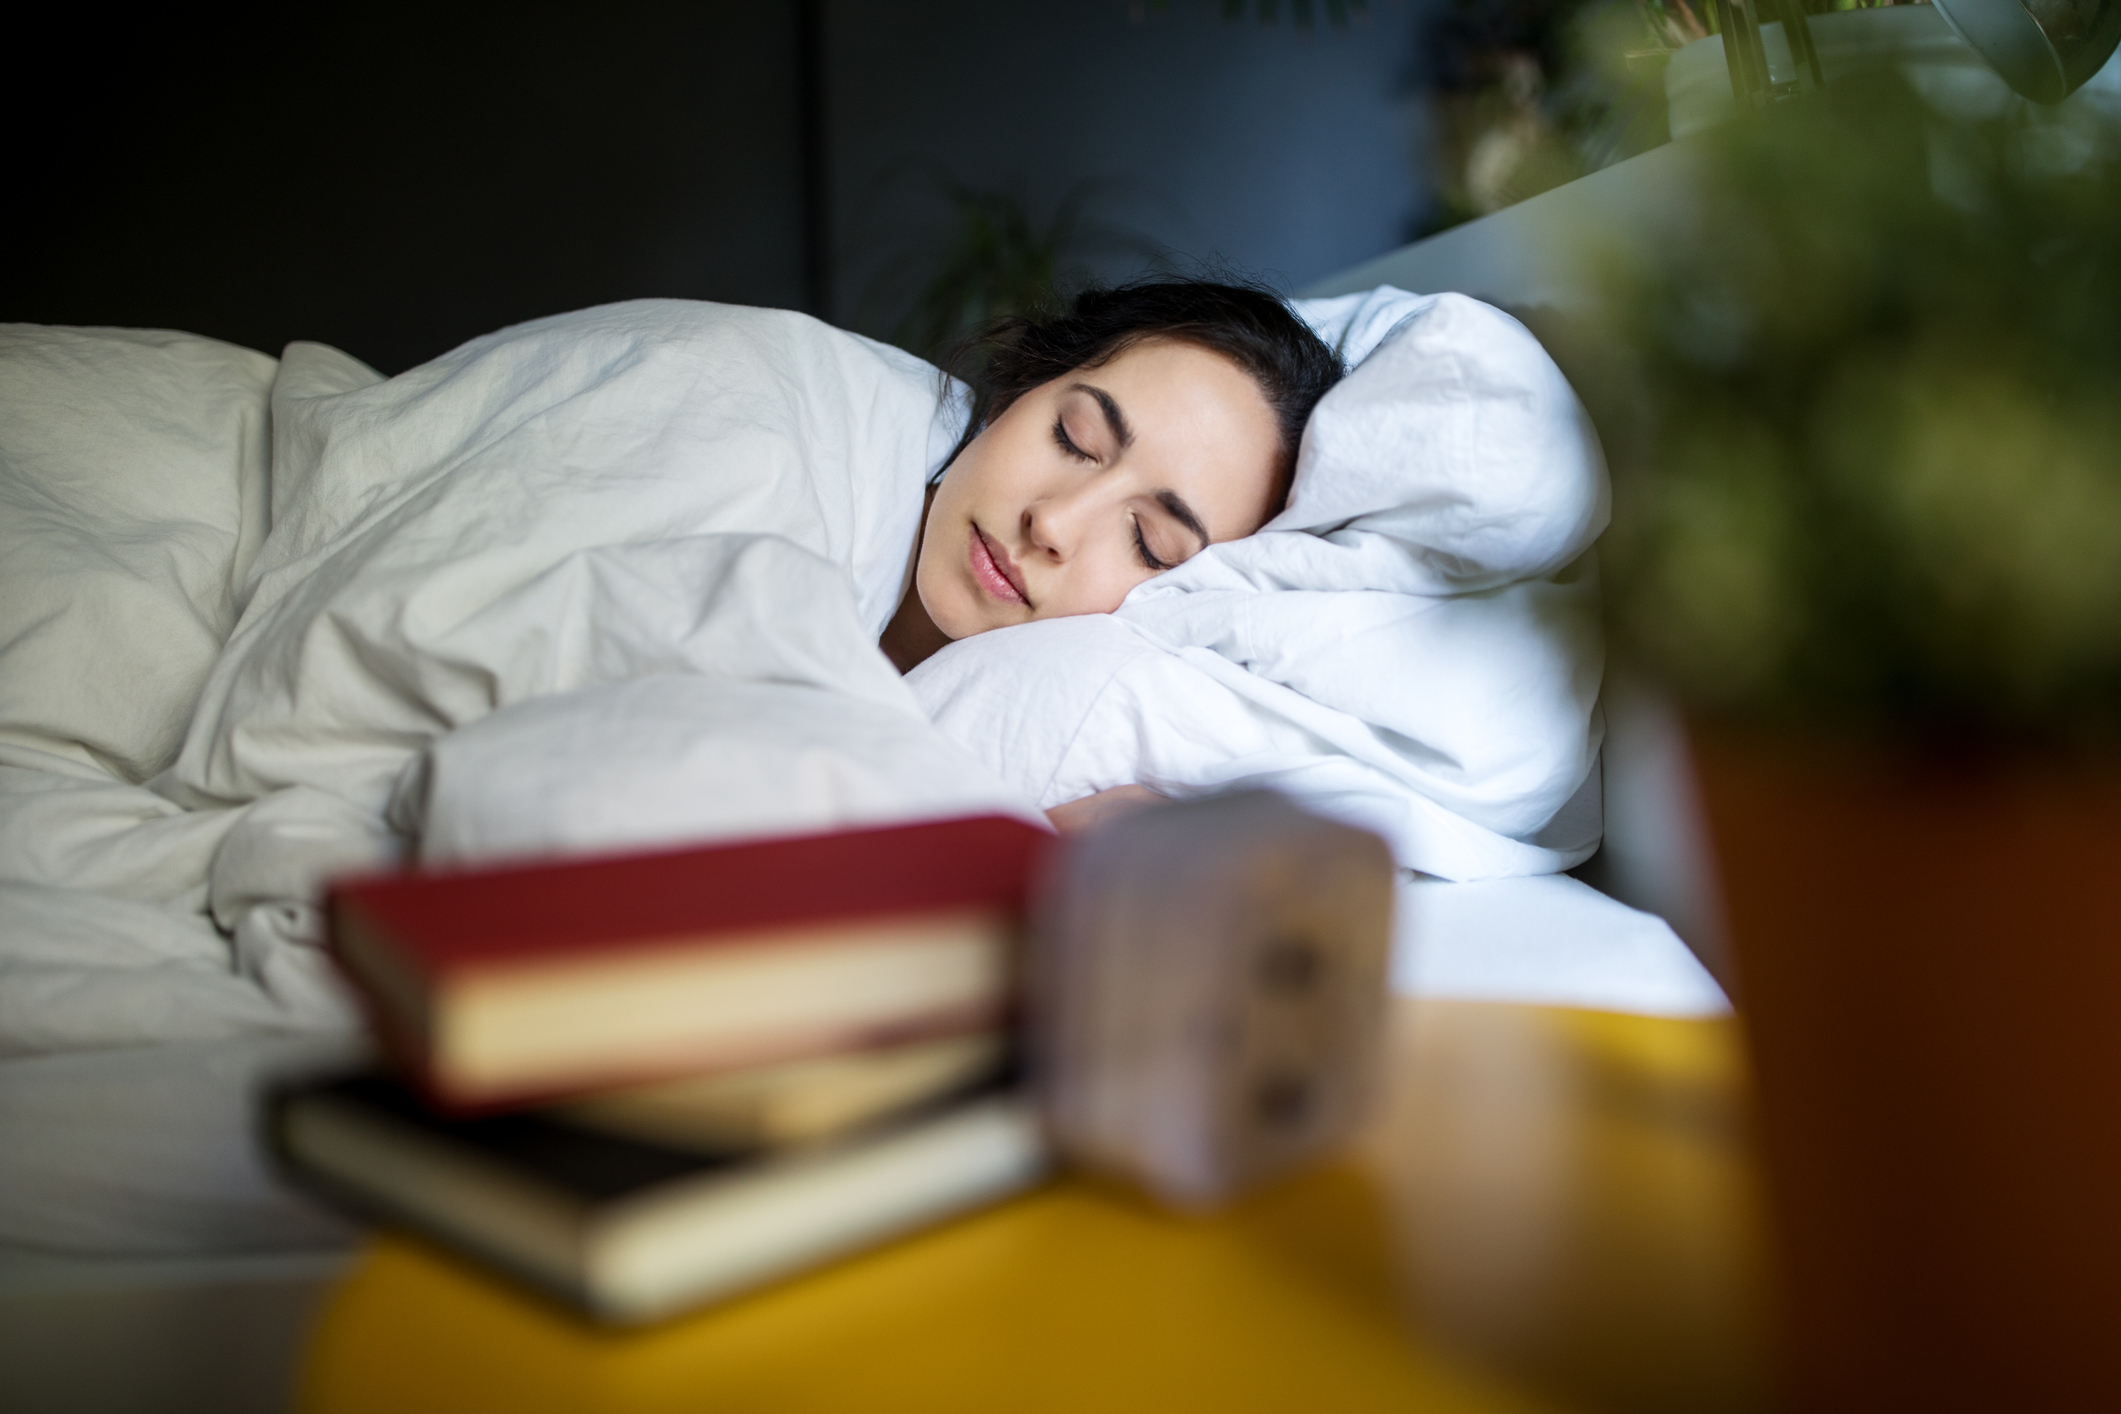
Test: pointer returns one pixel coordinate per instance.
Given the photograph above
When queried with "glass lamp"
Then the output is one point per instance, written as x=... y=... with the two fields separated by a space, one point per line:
x=2045 y=49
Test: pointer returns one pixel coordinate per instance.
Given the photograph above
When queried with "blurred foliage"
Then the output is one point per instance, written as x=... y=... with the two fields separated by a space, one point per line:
x=1528 y=94
x=1877 y=475
x=1338 y=12
x=1674 y=24
x=996 y=258
x=1302 y=12
x=998 y=261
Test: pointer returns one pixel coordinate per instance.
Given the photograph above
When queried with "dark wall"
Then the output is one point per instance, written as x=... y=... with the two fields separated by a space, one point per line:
x=1288 y=152
x=394 y=182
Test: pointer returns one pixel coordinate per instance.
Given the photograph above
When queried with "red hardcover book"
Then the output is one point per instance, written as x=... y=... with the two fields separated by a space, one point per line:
x=501 y=986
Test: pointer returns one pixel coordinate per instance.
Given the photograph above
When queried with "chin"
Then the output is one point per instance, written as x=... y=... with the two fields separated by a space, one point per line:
x=966 y=625
x=950 y=613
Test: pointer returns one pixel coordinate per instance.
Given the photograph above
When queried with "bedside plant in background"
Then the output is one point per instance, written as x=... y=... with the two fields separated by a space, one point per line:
x=1302 y=13
x=999 y=259
x=1527 y=94
x=1884 y=492
x=1867 y=531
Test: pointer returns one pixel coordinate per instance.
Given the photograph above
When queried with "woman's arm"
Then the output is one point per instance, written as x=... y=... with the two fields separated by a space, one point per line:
x=1093 y=810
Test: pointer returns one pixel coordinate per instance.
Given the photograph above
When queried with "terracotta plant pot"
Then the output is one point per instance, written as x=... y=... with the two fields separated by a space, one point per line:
x=1928 y=961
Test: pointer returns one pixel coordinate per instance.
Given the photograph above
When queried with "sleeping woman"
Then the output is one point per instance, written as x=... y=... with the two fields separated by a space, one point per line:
x=1107 y=444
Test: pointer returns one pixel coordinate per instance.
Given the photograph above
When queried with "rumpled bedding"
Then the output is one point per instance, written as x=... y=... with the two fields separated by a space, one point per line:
x=616 y=578
x=610 y=521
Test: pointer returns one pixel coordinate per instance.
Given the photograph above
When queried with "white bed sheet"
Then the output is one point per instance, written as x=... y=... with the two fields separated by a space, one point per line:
x=1550 y=940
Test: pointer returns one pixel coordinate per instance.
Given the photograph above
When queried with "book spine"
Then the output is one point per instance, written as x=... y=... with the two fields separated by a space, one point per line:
x=396 y=996
x=798 y=1214
x=528 y=1232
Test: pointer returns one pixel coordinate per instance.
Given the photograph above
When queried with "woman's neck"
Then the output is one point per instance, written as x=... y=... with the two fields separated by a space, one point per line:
x=911 y=638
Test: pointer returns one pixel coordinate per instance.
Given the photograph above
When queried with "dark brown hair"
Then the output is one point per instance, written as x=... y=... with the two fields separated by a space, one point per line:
x=1247 y=324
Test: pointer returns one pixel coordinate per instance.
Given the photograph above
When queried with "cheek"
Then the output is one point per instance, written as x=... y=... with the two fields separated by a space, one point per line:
x=931 y=568
x=949 y=495
x=980 y=473
x=1092 y=584
x=940 y=576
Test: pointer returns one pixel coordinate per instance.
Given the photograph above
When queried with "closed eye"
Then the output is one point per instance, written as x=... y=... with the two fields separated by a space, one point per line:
x=1067 y=443
x=1141 y=546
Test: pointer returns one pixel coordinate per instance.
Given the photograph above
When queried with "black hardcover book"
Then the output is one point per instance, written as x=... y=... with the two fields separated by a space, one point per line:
x=627 y=1229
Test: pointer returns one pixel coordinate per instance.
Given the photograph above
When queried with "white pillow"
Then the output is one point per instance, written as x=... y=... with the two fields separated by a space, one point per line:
x=132 y=497
x=1412 y=644
x=682 y=757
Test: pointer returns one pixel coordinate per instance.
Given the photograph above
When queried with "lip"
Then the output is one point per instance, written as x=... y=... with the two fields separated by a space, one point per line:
x=995 y=571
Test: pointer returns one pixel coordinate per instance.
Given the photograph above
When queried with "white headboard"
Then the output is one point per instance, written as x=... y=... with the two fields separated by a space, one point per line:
x=1525 y=256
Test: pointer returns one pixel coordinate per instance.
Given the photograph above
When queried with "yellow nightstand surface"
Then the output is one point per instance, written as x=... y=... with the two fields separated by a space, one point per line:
x=1555 y=1210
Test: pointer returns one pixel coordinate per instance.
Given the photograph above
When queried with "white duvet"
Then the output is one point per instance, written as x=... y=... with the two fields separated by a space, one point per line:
x=592 y=537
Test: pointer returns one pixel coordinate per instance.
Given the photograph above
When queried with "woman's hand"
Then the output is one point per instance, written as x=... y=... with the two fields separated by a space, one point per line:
x=1094 y=810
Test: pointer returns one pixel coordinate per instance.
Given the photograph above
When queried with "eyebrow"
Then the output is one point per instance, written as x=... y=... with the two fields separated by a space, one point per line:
x=1114 y=418
x=1183 y=514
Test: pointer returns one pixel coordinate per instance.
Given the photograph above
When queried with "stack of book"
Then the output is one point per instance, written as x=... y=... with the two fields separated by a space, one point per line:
x=641 y=1083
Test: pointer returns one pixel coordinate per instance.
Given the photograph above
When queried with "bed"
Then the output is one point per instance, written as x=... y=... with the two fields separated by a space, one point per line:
x=616 y=578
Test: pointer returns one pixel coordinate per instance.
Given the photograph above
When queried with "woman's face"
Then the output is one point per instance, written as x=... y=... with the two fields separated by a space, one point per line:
x=1092 y=483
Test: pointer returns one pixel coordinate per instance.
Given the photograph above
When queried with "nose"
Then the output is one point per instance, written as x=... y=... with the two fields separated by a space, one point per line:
x=1055 y=524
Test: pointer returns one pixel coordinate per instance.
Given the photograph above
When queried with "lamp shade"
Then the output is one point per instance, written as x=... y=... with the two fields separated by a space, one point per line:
x=2045 y=49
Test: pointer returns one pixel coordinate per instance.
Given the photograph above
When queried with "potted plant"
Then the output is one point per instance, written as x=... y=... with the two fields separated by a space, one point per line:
x=1868 y=532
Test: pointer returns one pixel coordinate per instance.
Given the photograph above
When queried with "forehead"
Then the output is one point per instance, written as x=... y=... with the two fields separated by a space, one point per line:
x=1179 y=375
